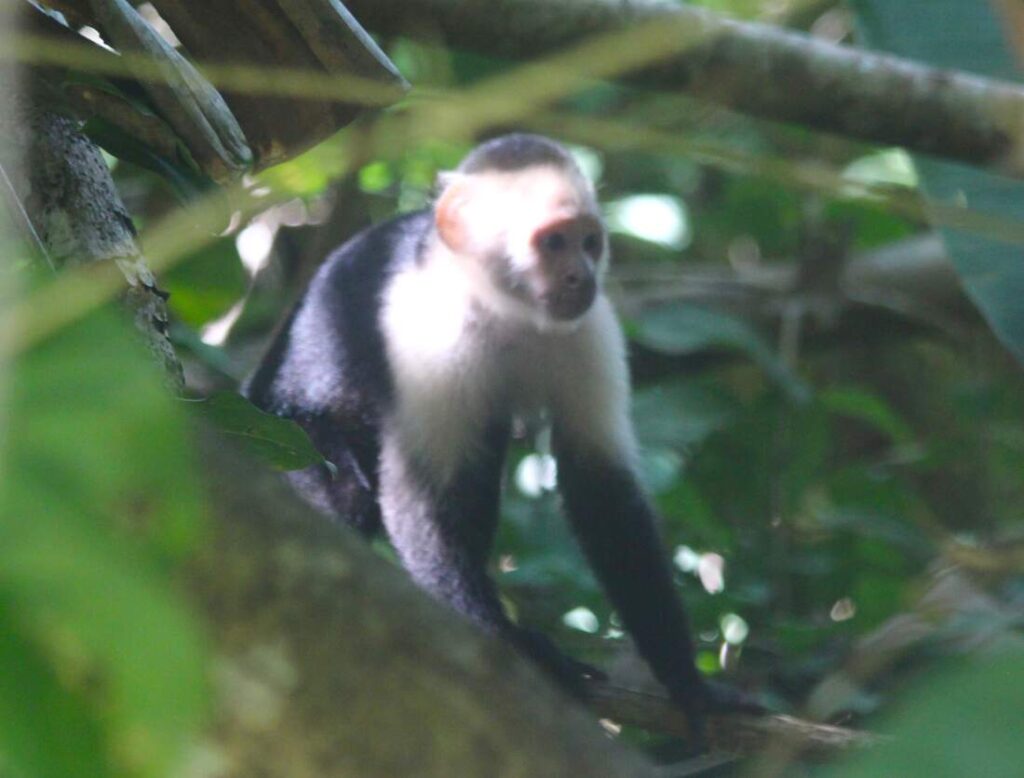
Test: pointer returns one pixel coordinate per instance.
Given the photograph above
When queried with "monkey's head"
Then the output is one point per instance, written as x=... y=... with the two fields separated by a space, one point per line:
x=523 y=219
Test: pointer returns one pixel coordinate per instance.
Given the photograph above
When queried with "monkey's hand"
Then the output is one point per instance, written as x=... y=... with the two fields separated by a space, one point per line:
x=719 y=698
x=701 y=697
x=567 y=672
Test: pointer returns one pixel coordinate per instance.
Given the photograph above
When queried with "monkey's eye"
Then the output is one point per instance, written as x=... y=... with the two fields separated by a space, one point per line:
x=592 y=244
x=554 y=242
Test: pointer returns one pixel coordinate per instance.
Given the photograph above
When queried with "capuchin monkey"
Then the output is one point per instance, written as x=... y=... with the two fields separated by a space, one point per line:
x=417 y=344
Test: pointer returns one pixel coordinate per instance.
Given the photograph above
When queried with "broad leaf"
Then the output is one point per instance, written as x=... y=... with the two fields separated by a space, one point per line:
x=682 y=329
x=968 y=720
x=280 y=442
x=964 y=35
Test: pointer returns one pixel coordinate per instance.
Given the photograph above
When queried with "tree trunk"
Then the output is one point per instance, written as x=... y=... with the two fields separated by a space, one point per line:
x=330 y=663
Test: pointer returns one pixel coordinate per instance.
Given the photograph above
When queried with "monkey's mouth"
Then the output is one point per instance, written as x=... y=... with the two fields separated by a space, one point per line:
x=568 y=303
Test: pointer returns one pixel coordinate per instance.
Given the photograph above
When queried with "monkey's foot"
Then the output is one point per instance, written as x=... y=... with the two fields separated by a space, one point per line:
x=704 y=697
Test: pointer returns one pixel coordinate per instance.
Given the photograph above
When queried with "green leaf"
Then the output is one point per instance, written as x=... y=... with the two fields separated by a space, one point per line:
x=207 y=283
x=871 y=225
x=280 y=442
x=98 y=494
x=964 y=719
x=683 y=329
x=966 y=35
x=44 y=730
x=868 y=408
x=680 y=415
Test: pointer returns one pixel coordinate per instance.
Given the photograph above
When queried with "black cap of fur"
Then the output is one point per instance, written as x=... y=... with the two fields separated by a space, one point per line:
x=516 y=152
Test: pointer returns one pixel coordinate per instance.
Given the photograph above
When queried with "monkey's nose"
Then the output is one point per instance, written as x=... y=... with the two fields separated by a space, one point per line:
x=575 y=297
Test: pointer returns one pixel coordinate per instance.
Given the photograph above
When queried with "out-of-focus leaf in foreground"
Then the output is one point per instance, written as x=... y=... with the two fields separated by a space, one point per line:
x=965 y=720
x=98 y=496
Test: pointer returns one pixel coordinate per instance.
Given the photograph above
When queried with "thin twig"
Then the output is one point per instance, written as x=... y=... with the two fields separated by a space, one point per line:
x=20 y=217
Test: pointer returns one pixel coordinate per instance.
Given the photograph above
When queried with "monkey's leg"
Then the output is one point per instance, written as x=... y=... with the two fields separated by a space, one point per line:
x=443 y=533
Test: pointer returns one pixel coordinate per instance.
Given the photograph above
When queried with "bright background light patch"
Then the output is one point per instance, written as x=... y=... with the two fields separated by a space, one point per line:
x=734 y=629
x=658 y=218
x=582 y=619
x=892 y=166
x=536 y=474
x=254 y=244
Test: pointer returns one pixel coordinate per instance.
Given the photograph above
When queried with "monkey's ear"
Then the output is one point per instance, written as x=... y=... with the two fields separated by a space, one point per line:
x=449 y=210
x=447 y=177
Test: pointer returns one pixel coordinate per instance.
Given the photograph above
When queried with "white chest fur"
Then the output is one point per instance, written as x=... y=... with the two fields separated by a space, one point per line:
x=457 y=367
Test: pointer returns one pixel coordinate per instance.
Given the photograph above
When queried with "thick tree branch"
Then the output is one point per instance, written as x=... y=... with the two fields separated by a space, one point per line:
x=324 y=645
x=60 y=179
x=329 y=662
x=754 y=68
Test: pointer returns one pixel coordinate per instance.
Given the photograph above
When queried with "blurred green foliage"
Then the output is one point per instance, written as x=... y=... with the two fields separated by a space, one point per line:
x=836 y=474
x=206 y=285
x=964 y=718
x=103 y=666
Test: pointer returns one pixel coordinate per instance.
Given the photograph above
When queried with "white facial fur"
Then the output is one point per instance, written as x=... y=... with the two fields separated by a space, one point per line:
x=502 y=211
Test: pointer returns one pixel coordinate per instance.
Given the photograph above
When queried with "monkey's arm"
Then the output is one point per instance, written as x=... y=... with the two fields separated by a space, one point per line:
x=616 y=528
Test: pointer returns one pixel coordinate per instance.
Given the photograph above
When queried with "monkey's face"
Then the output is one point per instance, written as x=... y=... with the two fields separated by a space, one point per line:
x=533 y=237
x=566 y=255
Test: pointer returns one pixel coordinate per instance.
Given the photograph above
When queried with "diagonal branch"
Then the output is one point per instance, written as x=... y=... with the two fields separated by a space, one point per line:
x=754 y=68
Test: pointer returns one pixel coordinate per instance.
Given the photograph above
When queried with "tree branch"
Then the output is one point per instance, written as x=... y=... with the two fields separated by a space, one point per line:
x=728 y=733
x=335 y=644
x=912 y=279
x=908 y=288
x=60 y=179
x=755 y=68
x=329 y=662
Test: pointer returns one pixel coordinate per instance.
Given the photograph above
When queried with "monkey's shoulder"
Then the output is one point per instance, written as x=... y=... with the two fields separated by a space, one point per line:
x=330 y=353
x=373 y=255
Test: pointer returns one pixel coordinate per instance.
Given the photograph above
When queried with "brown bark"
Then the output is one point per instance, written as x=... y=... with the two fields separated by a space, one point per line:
x=754 y=68
x=263 y=55
x=60 y=178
